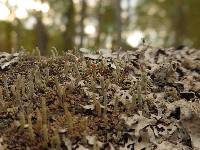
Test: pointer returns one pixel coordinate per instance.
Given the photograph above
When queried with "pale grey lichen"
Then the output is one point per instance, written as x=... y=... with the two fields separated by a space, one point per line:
x=6 y=59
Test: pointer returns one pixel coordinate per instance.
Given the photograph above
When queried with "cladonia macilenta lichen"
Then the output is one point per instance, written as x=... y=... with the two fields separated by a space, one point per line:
x=100 y=100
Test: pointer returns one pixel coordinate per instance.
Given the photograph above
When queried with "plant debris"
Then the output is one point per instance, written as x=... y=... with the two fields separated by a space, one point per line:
x=143 y=99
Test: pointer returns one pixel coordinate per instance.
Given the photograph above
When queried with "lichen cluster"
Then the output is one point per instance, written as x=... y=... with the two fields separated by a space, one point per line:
x=78 y=100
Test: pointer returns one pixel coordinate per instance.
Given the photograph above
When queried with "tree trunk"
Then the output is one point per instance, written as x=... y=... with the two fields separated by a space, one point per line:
x=118 y=21
x=82 y=15
x=69 y=33
x=99 y=29
x=41 y=35
x=129 y=13
x=179 y=22
x=18 y=29
x=8 y=31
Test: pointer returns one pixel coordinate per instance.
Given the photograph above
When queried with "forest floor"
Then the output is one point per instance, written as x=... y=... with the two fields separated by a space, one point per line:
x=138 y=100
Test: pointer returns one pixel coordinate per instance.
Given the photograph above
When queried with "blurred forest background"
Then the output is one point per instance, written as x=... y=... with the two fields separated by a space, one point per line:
x=69 y=24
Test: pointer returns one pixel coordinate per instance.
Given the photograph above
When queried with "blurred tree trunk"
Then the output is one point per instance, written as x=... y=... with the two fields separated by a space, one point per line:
x=41 y=34
x=18 y=31
x=5 y=36
x=69 y=33
x=83 y=16
x=118 y=21
x=100 y=23
x=128 y=12
x=179 y=22
x=8 y=40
